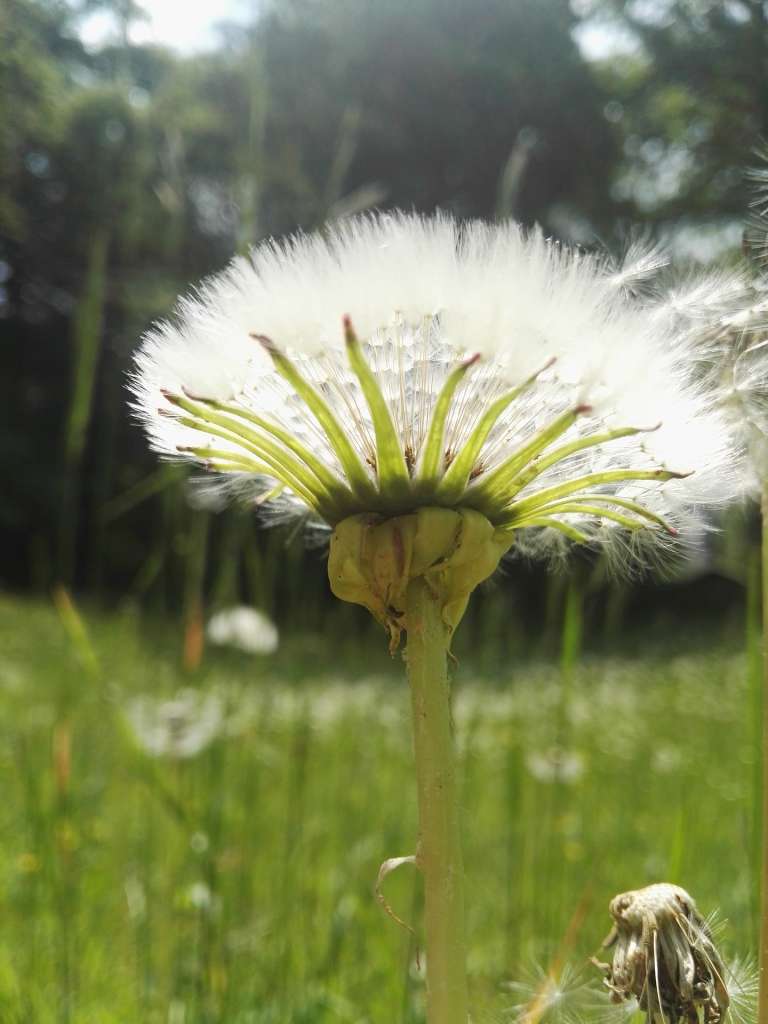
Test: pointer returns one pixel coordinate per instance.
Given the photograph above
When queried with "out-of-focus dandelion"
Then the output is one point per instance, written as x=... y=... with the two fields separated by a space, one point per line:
x=664 y=957
x=435 y=395
x=555 y=765
x=199 y=896
x=179 y=728
x=743 y=988
x=245 y=628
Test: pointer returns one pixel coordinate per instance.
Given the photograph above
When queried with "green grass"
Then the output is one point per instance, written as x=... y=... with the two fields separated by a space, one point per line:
x=237 y=886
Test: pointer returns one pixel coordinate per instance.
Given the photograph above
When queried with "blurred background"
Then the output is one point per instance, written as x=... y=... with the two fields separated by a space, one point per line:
x=180 y=841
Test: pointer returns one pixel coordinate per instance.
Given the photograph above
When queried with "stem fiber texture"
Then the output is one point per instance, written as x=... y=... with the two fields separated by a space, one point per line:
x=762 y=1005
x=439 y=851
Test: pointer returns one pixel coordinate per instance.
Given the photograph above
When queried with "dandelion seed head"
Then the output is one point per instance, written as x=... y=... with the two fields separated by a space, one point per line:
x=554 y=367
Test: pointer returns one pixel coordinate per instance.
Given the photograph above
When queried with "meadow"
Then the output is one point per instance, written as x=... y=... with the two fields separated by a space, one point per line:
x=221 y=867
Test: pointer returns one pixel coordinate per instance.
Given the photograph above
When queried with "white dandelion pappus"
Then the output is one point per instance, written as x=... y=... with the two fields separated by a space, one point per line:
x=558 y=994
x=394 y=362
x=736 y=347
x=245 y=628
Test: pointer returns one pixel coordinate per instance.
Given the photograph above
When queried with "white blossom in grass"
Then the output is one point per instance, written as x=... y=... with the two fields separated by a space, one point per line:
x=180 y=728
x=555 y=765
x=245 y=628
x=395 y=362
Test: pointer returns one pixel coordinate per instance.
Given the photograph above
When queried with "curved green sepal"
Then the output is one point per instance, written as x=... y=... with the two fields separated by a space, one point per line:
x=577 y=536
x=492 y=491
x=520 y=469
x=550 y=494
x=339 y=491
x=355 y=471
x=592 y=504
x=294 y=473
x=432 y=459
x=391 y=468
x=454 y=482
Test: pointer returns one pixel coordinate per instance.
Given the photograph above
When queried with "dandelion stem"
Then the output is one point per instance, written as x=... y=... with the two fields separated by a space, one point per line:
x=439 y=852
x=762 y=1004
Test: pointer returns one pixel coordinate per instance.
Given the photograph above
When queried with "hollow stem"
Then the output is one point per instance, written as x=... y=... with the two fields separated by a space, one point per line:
x=762 y=1005
x=439 y=851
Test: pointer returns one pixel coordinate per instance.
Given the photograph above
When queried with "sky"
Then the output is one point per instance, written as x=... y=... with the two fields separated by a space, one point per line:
x=190 y=27
x=186 y=26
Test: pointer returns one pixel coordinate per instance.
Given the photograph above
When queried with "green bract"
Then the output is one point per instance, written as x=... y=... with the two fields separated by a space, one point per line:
x=373 y=559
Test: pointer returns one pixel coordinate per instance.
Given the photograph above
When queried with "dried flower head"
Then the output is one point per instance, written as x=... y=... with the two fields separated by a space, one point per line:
x=396 y=362
x=664 y=957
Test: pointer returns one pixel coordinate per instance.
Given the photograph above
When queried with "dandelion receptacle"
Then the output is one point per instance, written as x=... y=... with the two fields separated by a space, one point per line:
x=436 y=396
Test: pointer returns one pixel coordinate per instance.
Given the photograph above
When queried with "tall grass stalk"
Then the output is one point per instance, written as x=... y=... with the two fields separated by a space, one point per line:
x=87 y=329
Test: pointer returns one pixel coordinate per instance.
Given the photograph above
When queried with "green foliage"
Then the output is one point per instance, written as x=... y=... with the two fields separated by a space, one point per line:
x=237 y=885
x=692 y=105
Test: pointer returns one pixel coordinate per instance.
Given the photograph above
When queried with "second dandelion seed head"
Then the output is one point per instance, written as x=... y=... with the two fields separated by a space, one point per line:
x=664 y=956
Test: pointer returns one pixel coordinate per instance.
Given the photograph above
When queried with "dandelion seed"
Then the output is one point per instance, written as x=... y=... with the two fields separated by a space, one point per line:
x=562 y=997
x=245 y=628
x=743 y=987
x=664 y=957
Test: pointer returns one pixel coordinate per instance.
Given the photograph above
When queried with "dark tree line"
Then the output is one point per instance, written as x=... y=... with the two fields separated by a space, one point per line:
x=129 y=172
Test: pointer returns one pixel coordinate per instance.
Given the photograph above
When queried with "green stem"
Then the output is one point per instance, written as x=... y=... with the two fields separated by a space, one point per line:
x=439 y=852
x=762 y=1005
